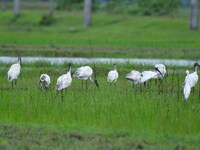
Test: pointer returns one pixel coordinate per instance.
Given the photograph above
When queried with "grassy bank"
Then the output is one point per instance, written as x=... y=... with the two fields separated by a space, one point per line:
x=111 y=35
x=139 y=113
x=43 y=137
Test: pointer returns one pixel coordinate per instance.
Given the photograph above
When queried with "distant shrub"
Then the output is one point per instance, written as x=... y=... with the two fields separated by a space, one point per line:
x=117 y=6
x=158 y=7
x=46 y=20
x=73 y=4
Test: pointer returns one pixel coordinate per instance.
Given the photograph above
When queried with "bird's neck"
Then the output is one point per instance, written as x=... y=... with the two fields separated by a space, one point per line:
x=195 y=68
x=115 y=67
x=69 y=70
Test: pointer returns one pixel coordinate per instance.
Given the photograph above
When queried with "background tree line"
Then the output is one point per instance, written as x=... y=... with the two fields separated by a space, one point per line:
x=142 y=7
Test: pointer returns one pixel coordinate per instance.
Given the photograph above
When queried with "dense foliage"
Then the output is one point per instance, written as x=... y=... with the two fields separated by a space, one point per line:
x=159 y=7
x=145 y=7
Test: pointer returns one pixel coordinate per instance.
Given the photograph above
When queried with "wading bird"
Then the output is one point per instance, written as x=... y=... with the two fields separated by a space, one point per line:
x=190 y=81
x=14 y=71
x=137 y=77
x=65 y=80
x=45 y=81
x=113 y=75
x=85 y=73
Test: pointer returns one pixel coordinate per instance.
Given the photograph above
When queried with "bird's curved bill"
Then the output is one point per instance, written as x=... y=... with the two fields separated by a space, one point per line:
x=96 y=83
x=159 y=71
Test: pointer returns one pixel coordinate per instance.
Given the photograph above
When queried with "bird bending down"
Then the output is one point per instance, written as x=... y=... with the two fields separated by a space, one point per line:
x=190 y=81
x=65 y=80
x=137 y=77
x=147 y=75
x=14 y=71
x=85 y=73
x=45 y=81
x=113 y=75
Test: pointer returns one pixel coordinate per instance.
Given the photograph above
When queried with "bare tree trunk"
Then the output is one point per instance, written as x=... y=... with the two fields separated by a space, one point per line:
x=51 y=7
x=194 y=14
x=87 y=12
x=3 y=5
x=16 y=7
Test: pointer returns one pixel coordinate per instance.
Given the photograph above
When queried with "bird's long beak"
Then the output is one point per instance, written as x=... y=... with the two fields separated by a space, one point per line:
x=159 y=71
x=96 y=83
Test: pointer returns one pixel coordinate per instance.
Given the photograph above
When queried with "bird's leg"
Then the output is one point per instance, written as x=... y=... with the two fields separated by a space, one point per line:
x=86 y=85
x=82 y=84
x=56 y=94
x=12 y=83
x=140 y=88
x=62 y=95
x=193 y=89
x=15 y=82
x=155 y=82
x=161 y=84
x=149 y=85
x=145 y=84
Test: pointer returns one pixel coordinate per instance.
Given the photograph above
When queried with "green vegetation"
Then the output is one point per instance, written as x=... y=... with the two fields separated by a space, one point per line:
x=155 y=114
x=116 y=35
x=158 y=7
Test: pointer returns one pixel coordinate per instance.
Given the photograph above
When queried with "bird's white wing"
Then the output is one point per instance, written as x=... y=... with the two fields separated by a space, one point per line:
x=186 y=78
x=112 y=76
x=134 y=76
x=186 y=91
x=14 y=72
x=59 y=83
x=146 y=75
x=45 y=80
x=48 y=80
x=64 y=81
x=192 y=79
x=83 y=72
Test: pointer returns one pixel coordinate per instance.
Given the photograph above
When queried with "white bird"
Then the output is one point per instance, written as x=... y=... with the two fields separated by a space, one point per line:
x=85 y=73
x=134 y=77
x=65 y=80
x=190 y=81
x=45 y=81
x=162 y=69
x=113 y=75
x=14 y=71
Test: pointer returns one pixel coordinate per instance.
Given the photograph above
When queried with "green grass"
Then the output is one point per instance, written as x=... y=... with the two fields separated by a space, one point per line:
x=111 y=35
x=138 y=112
